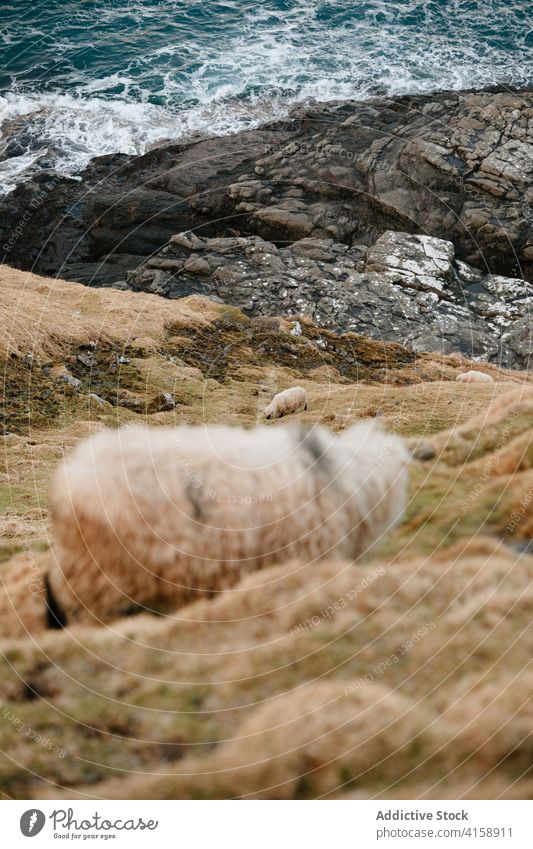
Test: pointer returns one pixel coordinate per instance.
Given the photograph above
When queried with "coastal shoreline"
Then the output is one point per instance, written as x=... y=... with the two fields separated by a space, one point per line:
x=317 y=197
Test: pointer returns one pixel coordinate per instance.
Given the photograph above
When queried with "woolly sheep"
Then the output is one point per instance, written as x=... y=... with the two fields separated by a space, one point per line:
x=156 y=517
x=475 y=377
x=289 y=401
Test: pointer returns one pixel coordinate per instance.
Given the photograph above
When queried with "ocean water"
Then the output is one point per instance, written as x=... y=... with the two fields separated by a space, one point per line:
x=80 y=78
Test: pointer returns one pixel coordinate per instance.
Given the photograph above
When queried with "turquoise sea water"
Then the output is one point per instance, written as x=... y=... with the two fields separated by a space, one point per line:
x=99 y=76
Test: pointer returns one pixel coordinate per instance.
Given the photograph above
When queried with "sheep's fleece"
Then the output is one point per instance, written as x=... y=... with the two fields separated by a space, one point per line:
x=474 y=377
x=156 y=517
x=289 y=401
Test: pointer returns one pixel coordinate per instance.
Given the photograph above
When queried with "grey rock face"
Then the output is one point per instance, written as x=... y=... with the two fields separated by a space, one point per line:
x=403 y=288
x=408 y=219
x=454 y=165
x=70 y=380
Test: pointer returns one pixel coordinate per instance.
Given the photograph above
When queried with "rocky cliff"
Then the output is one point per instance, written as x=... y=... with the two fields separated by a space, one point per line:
x=402 y=287
x=326 y=191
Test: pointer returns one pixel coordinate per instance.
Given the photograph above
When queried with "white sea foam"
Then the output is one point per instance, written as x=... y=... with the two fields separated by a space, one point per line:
x=66 y=132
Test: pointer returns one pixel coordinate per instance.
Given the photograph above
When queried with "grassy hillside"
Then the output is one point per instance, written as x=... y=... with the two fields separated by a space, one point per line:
x=406 y=675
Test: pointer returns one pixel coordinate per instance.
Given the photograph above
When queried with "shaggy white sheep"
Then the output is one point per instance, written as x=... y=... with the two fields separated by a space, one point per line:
x=157 y=517
x=475 y=377
x=289 y=401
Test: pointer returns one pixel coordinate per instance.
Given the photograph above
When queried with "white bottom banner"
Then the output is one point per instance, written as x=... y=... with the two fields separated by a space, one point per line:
x=261 y=825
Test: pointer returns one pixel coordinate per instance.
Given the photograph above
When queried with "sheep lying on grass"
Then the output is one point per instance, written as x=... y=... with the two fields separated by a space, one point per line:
x=289 y=401
x=474 y=376
x=157 y=517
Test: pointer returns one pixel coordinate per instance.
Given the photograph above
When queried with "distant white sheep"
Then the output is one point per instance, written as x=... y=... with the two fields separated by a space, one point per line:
x=475 y=377
x=289 y=401
x=157 y=517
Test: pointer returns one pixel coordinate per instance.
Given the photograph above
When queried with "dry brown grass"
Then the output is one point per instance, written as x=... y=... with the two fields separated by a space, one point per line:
x=419 y=683
x=45 y=316
x=294 y=684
